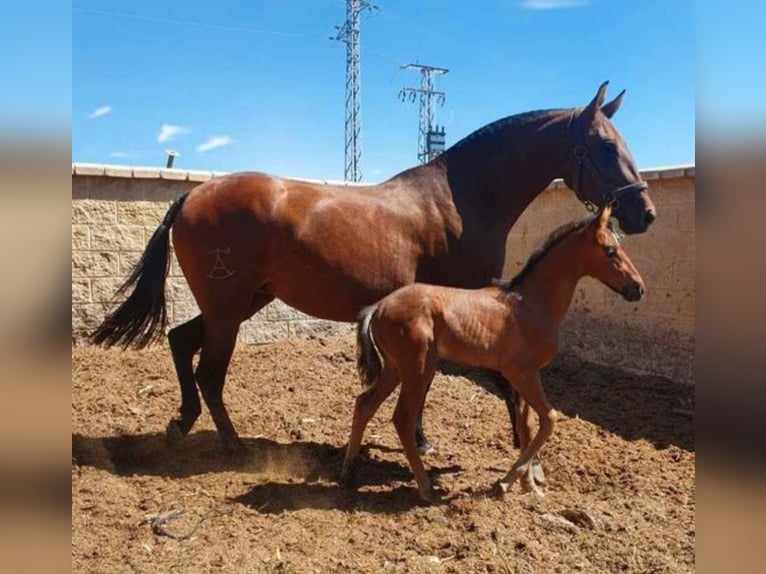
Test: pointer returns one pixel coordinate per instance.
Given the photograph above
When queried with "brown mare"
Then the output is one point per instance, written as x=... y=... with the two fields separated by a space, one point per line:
x=244 y=239
x=511 y=327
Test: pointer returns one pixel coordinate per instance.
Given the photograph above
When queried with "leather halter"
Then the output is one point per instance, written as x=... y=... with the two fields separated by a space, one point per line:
x=582 y=158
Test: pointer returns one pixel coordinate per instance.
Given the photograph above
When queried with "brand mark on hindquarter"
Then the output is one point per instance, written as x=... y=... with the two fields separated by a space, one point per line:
x=220 y=270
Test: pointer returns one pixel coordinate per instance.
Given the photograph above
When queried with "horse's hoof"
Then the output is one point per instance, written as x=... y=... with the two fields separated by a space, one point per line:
x=426 y=448
x=430 y=497
x=537 y=472
x=346 y=478
x=173 y=433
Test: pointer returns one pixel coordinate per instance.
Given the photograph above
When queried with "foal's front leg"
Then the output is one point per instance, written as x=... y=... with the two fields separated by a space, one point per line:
x=513 y=402
x=531 y=390
x=524 y=427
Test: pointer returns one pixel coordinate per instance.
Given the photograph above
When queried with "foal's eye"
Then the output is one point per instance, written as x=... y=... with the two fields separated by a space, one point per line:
x=610 y=251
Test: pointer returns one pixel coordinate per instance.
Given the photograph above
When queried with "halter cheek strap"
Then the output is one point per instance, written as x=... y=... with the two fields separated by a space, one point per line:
x=582 y=158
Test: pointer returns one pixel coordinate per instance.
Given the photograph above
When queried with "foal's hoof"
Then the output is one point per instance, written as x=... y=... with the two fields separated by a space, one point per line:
x=537 y=472
x=529 y=484
x=173 y=433
x=506 y=483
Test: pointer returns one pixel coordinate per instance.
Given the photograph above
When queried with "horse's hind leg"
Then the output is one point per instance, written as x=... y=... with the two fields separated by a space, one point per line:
x=217 y=347
x=365 y=408
x=511 y=399
x=185 y=340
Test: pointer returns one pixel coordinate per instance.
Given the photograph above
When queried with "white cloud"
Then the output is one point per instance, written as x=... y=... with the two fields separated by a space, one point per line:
x=214 y=142
x=99 y=112
x=170 y=131
x=551 y=4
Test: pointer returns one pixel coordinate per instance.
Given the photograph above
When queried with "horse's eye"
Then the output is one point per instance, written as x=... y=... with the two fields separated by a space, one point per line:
x=608 y=146
x=610 y=251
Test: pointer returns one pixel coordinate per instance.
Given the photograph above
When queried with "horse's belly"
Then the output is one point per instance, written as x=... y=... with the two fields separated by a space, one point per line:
x=336 y=296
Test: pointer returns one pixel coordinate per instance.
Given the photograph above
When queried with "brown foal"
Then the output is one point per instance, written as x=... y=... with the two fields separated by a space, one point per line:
x=511 y=327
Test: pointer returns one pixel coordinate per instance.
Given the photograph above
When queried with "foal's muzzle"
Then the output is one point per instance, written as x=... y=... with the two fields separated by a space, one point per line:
x=633 y=292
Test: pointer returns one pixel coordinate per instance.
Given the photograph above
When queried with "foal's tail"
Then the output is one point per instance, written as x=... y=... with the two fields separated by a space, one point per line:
x=141 y=318
x=367 y=359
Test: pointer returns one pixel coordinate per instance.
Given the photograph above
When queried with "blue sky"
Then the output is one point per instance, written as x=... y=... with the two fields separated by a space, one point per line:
x=258 y=85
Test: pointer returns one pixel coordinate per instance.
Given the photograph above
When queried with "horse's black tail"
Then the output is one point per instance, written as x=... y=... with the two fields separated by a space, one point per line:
x=141 y=318
x=367 y=359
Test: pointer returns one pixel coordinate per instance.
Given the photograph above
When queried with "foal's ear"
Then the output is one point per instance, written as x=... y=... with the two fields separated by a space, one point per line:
x=590 y=110
x=612 y=107
x=604 y=215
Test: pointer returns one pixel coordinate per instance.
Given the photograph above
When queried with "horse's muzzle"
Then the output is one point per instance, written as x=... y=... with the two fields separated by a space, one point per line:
x=633 y=292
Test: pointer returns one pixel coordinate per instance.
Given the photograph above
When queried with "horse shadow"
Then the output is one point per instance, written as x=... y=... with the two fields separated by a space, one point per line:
x=631 y=406
x=291 y=476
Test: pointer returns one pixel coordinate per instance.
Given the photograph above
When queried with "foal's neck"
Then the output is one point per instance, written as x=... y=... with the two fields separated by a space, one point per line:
x=550 y=287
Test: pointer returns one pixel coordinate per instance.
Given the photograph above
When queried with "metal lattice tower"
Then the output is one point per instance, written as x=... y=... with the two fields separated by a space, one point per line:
x=349 y=33
x=430 y=139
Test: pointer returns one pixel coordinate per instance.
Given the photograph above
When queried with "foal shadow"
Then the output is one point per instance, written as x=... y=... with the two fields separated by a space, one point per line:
x=630 y=405
x=279 y=497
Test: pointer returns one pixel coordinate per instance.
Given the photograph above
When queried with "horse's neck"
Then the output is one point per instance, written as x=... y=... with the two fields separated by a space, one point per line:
x=495 y=182
x=549 y=288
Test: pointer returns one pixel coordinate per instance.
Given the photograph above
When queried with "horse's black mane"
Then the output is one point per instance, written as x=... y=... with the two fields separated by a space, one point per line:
x=495 y=129
x=556 y=236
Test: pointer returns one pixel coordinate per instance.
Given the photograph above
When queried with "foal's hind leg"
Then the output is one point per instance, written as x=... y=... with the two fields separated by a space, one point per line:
x=217 y=348
x=365 y=408
x=423 y=444
x=405 y=419
x=185 y=340
x=417 y=377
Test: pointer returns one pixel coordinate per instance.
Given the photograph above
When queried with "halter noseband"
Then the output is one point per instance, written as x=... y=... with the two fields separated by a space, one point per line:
x=582 y=158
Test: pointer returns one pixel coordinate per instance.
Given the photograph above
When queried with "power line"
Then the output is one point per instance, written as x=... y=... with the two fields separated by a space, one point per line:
x=349 y=33
x=430 y=137
x=210 y=25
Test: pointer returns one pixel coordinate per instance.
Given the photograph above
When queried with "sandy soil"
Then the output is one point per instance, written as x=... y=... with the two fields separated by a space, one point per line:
x=622 y=454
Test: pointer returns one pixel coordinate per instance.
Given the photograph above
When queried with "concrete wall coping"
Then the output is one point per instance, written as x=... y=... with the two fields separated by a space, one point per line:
x=145 y=172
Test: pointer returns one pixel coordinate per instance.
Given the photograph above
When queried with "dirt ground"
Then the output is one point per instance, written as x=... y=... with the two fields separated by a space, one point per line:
x=623 y=454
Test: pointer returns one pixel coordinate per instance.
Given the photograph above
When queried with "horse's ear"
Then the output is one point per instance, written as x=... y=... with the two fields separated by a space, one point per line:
x=590 y=110
x=610 y=108
x=604 y=215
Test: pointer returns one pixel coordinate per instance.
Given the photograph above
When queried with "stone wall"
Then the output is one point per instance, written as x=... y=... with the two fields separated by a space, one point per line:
x=116 y=209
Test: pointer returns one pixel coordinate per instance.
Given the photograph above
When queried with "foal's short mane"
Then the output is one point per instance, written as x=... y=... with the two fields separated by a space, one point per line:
x=556 y=236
